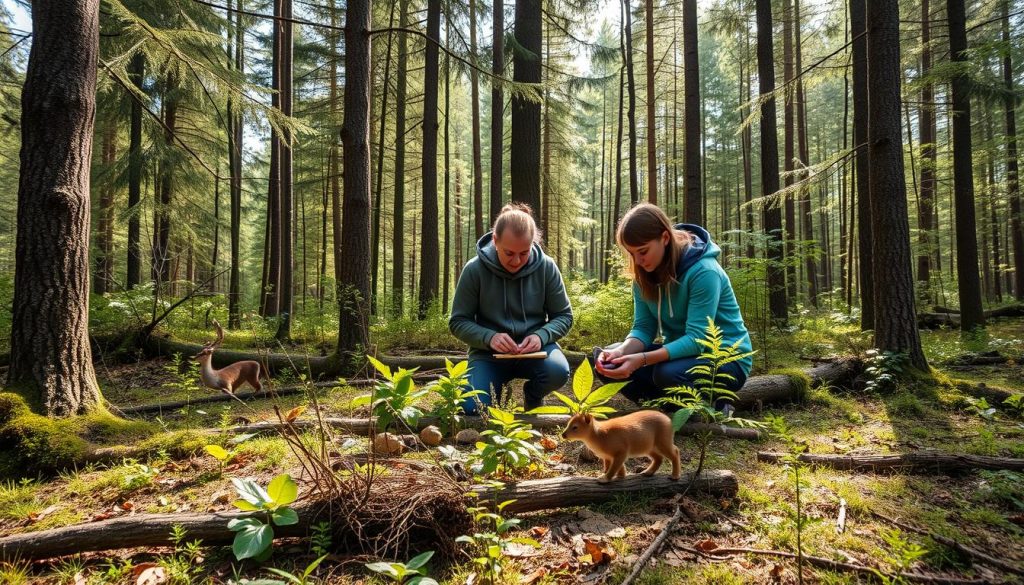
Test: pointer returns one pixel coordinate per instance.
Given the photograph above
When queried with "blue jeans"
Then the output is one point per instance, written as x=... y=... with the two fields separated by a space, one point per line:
x=491 y=375
x=650 y=382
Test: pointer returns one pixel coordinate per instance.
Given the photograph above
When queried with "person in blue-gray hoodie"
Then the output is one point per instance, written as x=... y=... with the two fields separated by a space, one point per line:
x=511 y=299
x=677 y=284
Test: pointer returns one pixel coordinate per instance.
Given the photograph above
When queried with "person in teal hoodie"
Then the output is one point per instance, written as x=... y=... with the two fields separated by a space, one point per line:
x=511 y=299
x=677 y=284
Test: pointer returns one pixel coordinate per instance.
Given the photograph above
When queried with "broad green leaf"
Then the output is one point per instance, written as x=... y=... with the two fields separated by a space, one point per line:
x=242 y=438
x=236 y=524
x=582 y=380
x=603 y=394
x=384 y=568
x=459 y=370
x=251 y=491
x=550 y=409
x=421 y=581
x=419 y=560
x=217 y=452
x=360 y=401
x=285 y=517
x=245 y=506
x=380 y=367
x=680 y=417
x=573 y=407
x=283 y=490
x=252 y=541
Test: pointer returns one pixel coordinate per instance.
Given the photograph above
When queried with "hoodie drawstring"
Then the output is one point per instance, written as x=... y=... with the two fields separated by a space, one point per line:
x=661 y=338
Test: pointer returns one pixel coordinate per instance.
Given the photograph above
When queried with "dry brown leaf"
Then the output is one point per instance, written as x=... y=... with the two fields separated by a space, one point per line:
x=598 y=553
x=707 y=545
x=127 y=506
x=151 y=576
x=294 y=413
x=81 y=579
x=37 y=516
x=538 y=532
x=1017 y=519
x=548 y=443
x=776 y=571
x=533 y=577
x=101 y=516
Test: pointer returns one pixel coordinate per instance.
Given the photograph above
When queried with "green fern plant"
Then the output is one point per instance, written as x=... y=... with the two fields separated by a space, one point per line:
x=586 y=398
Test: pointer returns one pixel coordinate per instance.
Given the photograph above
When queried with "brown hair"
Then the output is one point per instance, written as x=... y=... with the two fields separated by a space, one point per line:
x=644 y=223
x=517 y=217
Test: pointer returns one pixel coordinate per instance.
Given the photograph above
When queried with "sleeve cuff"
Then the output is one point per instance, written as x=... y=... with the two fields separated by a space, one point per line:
x=641 y=335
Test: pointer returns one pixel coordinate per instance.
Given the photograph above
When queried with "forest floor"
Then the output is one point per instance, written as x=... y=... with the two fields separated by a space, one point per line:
x=983 y=509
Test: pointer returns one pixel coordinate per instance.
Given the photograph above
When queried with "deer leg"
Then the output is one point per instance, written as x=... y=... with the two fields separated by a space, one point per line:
x=656 y=460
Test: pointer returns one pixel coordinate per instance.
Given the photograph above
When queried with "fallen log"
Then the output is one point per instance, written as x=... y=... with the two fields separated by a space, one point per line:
x=315 y=366
x=987 y=358
x=218 y=397
x=149 y=530
x=996 y=396
x=364 y=426
x=948 y=317
x=1007 y=311
x=922 y=462
x=563 y=492
x=776 y=388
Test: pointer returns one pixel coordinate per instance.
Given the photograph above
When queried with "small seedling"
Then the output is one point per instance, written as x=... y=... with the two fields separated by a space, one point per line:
x=507 y=445
x=255 y=535
x=408 y=573
x=586 y=399
x=452 y=394
x=394 y=397
x=302 y=578
x=488 y=545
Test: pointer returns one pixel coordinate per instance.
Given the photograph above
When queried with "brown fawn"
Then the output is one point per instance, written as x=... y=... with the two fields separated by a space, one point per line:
x=644 y=433
x=229 y=378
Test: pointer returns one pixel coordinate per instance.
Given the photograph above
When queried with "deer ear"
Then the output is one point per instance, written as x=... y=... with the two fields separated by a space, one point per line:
x=588 y=418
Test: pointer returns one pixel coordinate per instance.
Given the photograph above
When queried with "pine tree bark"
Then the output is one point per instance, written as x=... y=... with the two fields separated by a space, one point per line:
x=803 y=152
x=926 y=135
x=693 y=202
x=162 y=253
x=652 y=148
x=272 y=248
x=1012 y=174
x=474 y=83
x=968 y=282
x=772 y=219
x=136 y=69
x=352 y=241
x=789 y=146
x=896 y=328
x=398 y=223
x=287 y=270
x=51 y=360
x=860 y=141
x=429 y=249
x=497 y=109
x=524 y=165
x=379 y=191
x=235 y=141
x=627 y=58
x=103 y=274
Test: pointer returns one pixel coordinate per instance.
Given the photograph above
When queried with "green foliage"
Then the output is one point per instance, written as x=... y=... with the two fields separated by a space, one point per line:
x=1003 y=487
x=408 y=332
x=507 y=445
x=408 y=573
x=982 y=408
x=34 y=445
x=394 y=397
x=902 y=554
x=303 y=577
x=1015 y=404
x=586 y=398
x=138 y=475
x=320 y=539
x=254 y=535
x=883 y=369
x=184 y=381
x=486 y=545
x=184 y=565
x=599 y=311
x=794 y=467
x=451 y=393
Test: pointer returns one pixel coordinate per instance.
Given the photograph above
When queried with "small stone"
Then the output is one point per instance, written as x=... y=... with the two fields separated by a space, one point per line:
x=467 y=437
x=431 y=436
x=388 y=444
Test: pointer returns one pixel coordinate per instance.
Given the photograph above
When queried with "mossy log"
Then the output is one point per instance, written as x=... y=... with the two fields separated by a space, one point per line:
x=921 y=462
x=149 y=530
x=563 y=492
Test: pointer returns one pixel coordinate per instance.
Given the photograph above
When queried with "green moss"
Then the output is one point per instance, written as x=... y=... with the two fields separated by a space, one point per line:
x=800 y=380
x=11 y=406
x=31 y=444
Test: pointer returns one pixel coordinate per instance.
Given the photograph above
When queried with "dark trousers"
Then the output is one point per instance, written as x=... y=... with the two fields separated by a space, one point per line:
x=542 y=376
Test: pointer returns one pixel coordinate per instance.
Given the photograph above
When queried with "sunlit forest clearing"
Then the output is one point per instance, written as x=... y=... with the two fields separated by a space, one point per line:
x=389 y=291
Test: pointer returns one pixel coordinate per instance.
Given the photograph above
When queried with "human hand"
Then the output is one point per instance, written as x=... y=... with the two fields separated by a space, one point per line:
x=530 y=344
x=621 y=367
x=503 y=343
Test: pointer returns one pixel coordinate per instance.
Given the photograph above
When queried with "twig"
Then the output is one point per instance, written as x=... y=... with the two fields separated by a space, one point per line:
x=841 y=522
x=654 y=547
x=718 y=553
x=946 y=541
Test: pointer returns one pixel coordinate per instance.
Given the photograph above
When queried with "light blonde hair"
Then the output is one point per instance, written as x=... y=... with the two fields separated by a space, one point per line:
x=518 y=218
x=644 y=223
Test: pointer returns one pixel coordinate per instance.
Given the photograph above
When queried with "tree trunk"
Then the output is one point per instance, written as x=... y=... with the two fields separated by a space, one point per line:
x=525 y=162
x=747 y=140
x=430 y=254
x=860 y=141
x=803 y=153
x=693 y=202
x=103 y=276
x=474 y=82
x=446 y=237
x=789 y=147
x=162 y=253
x=236 y=140
x=51 y=360
x=375 y=264
x=627 y=58
x=136 y=69
x=1012 y=174
x=287 y=270
x=926 y=120
x=652 y=148
x=923 y=462
x=896 y=328
x=772 y=219
x=398 y=223
x=968 y=283
x=353 y=241
x=272 y=254
x=497 y=109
